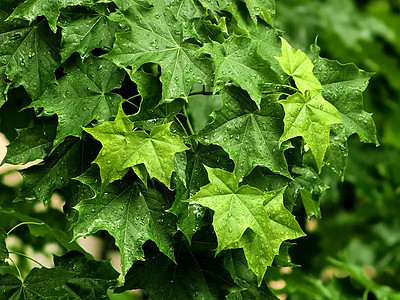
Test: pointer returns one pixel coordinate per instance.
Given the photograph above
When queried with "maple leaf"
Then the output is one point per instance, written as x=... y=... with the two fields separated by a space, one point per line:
x=31 y=9
x=32 y=143
x=40 y=283
x=299 y=66
x=304 y=116
x=91 y=277
x=194 y=276
x=239 y=209
x=124 y=148
x=265 y=9
x=86 y=89
x=237 y=60
x=250 y=135
x=131 y=217
x=151 y=113
x=310 y=187
x=28 y=56
x=86 y=29
x=41 y=180
x=235 y=262
x=343 y=86
x=157 y=37
x=190 y=215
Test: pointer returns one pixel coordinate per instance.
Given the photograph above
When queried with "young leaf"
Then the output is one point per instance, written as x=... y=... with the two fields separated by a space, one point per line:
x=87 y=89
x=132 y=217
x=305 y=115
x=299 y=66
x=238 y=209
x=250 y=135
x=124 y=148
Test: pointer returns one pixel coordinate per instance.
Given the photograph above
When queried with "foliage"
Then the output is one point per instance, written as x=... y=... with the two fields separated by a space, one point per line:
x=196 y=140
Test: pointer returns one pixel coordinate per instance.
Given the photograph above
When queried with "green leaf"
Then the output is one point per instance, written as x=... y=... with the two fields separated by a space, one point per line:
x=188 y=279
x=87 y=89
x=151 y=113
x=86 y=29
x=239 y=209
x=310 y=187
x=41 y=180
x=31 y=9
x=337 y=152
x=28 y=56
x=299 y=66
x=190 y=215
x=250 y=135
x=91 y=178
x=40 y=283
x=3 y=246
x=306 y=115
x=157 y=37
x=9 y=286
x=237 y=60
x=124 y=148
x=91 y=277
x=32 y=143
x=235 y=263
x=343 y=87
x=265 y=9
x=132 y=217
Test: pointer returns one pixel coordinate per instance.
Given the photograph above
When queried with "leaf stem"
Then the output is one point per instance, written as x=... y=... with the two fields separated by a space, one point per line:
x=24 y=223
x=28 y=257
x=18 y=270
x=286 y=86
x=187 y=120
x=183 y=127
x=133 y=97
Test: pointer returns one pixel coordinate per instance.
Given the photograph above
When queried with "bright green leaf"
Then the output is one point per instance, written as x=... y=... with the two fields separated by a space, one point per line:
x=299 y=66
x=307 y=115
x=124 y=148
x=246 y=217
